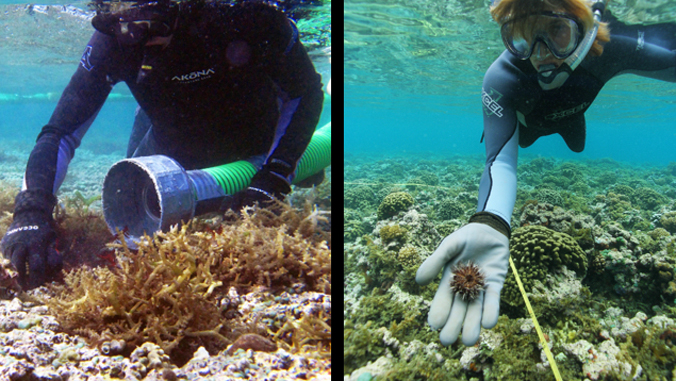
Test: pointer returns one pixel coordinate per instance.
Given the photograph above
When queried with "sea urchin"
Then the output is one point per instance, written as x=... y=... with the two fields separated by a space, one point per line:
x=467 y=281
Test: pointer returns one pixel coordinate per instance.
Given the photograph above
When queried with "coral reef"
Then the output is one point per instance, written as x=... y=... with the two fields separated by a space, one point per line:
x=39 y=343
x=549 y=196
x=164 y=291
x=608 y=220
x=360 y=197
x=38 y=351
x=393 y=234
x=668 y=222
x=536 y=252
x=252 y=341
x=393 y=204
x=449 y=209
x=647 y=198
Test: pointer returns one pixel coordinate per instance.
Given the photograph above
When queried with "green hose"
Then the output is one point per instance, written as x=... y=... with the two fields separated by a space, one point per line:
x=236 y=176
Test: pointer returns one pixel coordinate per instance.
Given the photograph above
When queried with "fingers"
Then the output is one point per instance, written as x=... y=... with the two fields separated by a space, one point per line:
x=448 y=249
x=441 y=304
x=36 y=268
x=449 y=334
x=17 y=255
x=54 y=261
x=491 y=310
x=466 y=316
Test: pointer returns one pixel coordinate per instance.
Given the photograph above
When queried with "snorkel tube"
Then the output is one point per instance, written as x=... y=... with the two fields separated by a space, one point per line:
x=555 y=78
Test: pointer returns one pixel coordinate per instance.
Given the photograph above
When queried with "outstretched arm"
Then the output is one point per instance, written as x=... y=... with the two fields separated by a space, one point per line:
x=76 y=110
x=645 y=50
x=497 y=189
x=484 y=241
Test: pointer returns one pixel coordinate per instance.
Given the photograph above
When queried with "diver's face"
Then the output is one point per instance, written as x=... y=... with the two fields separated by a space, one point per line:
x=150 y=23
x=542 y=58
x=159 y=40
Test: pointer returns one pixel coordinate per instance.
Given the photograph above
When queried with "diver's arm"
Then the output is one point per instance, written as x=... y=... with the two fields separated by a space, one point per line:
x=635 y=55
x=77 y=108
x=290 y=67
x=497 y=189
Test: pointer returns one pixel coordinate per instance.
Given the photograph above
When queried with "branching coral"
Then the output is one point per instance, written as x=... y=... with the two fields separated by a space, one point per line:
x=164 y=292
x=309 y=334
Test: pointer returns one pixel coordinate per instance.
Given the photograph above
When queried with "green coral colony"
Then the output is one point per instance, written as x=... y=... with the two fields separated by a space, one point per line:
x=594 y=243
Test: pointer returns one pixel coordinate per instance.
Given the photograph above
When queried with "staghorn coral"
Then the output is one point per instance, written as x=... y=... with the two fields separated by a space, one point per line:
x=309 y=334
x=165 y=292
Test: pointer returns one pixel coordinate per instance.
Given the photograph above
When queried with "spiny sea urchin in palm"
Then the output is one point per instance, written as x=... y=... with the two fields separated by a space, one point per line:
x=467 y=281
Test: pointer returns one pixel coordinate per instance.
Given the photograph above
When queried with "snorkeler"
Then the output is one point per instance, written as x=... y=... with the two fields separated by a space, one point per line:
x=560 y=53
x=216 y=83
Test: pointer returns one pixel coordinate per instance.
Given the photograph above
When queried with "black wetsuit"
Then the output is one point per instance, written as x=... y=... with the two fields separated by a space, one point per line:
x=233 y=83
x=518 y=110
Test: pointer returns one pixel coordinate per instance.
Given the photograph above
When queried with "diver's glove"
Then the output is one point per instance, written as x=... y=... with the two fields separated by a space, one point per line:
x=267 y=184
x=485 y=242
x=30 y=240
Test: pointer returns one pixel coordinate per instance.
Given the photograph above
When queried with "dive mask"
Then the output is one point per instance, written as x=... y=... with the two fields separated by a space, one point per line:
x=561 y=33
x=134 y=23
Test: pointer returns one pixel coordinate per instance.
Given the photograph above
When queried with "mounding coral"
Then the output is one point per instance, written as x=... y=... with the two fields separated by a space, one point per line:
x=393 y=204
x=536 y=252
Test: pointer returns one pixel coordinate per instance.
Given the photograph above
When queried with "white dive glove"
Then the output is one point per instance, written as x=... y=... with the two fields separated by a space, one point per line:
x=484 y=241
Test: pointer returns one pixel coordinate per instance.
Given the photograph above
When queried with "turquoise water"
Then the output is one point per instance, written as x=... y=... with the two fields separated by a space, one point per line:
x=41 y=46
x=413 y=161
x=413 y=74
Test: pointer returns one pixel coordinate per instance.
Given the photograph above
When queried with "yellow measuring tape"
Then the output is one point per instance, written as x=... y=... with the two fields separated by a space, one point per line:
x=550 y=358
x=400 y=184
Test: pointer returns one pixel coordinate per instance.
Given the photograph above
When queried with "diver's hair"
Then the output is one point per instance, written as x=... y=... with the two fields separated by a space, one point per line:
x=514 y=9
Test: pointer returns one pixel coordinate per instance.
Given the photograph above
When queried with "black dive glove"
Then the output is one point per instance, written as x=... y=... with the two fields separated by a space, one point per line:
x=267 y=184
x=30 y=240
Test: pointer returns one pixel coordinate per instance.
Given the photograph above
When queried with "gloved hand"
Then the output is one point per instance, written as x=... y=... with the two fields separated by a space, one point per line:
x=489 y=249
x=267 y=184
x=30 y=240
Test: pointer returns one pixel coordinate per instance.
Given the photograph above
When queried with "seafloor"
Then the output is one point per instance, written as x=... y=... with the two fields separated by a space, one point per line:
x=594 y=242
x=272 y=327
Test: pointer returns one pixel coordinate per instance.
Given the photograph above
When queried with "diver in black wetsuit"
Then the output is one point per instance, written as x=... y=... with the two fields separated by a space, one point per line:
x=215 y=83
x=560 y=53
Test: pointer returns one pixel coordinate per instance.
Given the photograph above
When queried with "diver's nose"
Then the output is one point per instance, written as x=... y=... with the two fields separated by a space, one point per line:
x=541 y=51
